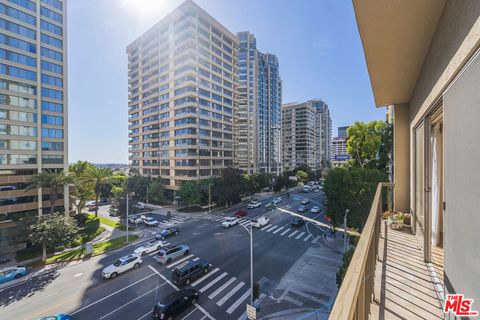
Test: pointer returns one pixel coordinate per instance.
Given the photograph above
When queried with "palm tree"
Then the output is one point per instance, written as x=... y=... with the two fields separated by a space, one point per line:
x=99 y=177
x=53 y=180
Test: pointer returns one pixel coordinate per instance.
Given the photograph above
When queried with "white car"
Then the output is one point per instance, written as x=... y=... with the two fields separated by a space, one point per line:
x=135 y=220
x=131 y=261
x=150 y=222
x=315 y=209
x=149 y=247
x=277 y=200
x=254 y=204
x=230 y=222
x=260 y=222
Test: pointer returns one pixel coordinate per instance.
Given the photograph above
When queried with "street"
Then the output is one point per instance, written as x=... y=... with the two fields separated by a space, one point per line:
x=295 y=267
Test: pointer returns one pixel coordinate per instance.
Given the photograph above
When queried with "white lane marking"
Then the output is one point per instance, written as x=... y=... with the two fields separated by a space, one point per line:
x=266 y=227
x=45 y=296
x=211 y=283
x=273 y=227
x=111 y=294
x=237 y=303
x=300 y=235
x=230 y=294
x=210 y=273
x=307 y=237
x=292 y=234
x=146 y=314
x=205 y=312
x=179 y=261
x=126 y=304
x=284 y=232
x=196 y=259
x=277 y=230
x=216 y=292
x=78 y=275
x=194 y=309
x=317 y=238
x=243 y=316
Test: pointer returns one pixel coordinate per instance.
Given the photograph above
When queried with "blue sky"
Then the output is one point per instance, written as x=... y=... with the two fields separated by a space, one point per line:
x=317 y=43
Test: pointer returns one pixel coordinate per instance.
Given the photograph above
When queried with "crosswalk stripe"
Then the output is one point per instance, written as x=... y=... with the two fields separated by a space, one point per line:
x=285 y=232
x=197 y=258
x=277 y=230
x=220 y=277
x=316 y=239
x=300 y=235
x=273 y=227
x=307 y=237
x=210 y=273
x=226 y=284
x=243 y=316
x=230 y=294
x=179 y=261
x=238 y=302
x=292 y=234
x=267 y=226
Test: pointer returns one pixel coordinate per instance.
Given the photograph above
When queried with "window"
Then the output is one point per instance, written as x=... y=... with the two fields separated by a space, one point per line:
x=17 y=101
x=18 y=87
x=181 y=132
x=52 y=133
x=52 y=159
x=18 y=58
x=53 y=81
x=52 y=106
x=54 y=3
x=50 y=27
x=51 y=41
x=52 y=146
x=17 y=14
x=18 y=29
x=51 y=54
x=52 y=67
x=54 y=120
x=51 y=14
x=53 y=94
x=17 y=43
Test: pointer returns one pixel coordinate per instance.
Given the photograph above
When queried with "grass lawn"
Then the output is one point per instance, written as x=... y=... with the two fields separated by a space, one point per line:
x=111 y=223
x=97 y=249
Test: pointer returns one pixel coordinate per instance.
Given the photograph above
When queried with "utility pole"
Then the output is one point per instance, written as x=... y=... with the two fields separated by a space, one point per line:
x=345 y=236
x=209 y=198
x=127 y=216
x=251 y=265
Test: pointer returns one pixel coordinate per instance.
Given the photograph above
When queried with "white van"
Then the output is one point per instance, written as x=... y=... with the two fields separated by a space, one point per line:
x=260 y=222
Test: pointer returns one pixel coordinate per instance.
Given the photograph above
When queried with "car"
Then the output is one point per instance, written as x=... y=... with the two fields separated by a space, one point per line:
x=102 y=202
x=60 y=316
x=277 y=200
x=260 y=222
x=135 y=220
x=175 y=303
x=317 y=189
x=305 y=201
x=306 y=190
x=92 y=207
x=113 y=212
x=230 y=222
x=241 y=213
x=125 y=263
x=11 y=273
x=190 y=271
x=165 y=233
x=150 y=222
x=315 y=209
x=141 y=205
x=302 y=208
x=270 y=206
x=298 y=222
x=149 y=247
x=254 y=204
x=169 y=253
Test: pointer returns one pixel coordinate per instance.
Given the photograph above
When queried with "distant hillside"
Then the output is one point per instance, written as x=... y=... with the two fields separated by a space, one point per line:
x=113 y=166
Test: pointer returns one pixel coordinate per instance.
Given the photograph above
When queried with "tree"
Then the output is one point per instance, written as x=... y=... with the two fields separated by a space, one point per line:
x=190 y=194
x=229 y=187
x=302 y=175
x=54 y=181
x=251 y=184
x=155 y=192
x=51 y=231
x=364 y=140
x=352 y=189
x=99 y=177
x=84 y=189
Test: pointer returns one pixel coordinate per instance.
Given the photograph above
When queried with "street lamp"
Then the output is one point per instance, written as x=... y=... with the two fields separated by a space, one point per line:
x=250 y=232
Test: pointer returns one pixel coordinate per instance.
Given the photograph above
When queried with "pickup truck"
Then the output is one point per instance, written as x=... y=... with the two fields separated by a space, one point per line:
x=260 y=222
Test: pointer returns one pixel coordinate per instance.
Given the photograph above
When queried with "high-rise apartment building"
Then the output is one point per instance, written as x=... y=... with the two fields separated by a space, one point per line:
x=33 y=107
x=306 y=134
x=182 y=97
x=259 y=111
x=339 y=147
x=342 y=131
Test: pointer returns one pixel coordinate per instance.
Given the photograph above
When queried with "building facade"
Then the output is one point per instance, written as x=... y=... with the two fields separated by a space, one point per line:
x=182 y=97
x=342 y=131
x=340 y=155
x=33 y=108
x=259 y=112
x=306 y=134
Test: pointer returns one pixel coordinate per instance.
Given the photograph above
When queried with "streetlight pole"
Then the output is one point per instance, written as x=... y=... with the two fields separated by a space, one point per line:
x=345 y=238
x=127 y=217
x=250 y=232
x=209 y=198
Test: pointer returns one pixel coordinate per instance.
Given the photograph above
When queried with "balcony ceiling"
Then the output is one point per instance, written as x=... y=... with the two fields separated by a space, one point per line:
x=396 y=35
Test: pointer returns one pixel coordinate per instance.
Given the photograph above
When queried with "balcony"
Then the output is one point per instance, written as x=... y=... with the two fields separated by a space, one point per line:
x=387 y=277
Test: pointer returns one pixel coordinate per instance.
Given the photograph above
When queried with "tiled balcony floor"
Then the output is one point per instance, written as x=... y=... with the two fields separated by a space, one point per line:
x=403 y=287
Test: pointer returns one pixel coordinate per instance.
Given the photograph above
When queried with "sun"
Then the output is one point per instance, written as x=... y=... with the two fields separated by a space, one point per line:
x=142 y=8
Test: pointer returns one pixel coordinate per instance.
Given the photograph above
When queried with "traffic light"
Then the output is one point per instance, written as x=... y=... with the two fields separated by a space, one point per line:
x=256 y=290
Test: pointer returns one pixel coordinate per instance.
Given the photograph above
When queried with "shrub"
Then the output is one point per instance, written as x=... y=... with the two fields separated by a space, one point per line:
x=91 y=225
x=347 y=257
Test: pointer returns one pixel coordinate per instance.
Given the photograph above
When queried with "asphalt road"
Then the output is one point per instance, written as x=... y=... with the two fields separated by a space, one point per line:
x=79 y=289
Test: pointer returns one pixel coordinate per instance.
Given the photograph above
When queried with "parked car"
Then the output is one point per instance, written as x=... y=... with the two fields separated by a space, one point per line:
x=175 y=303
x=131 y=261
x=254 y=204
x=150 y=222
x=317 y=189
x=102 y=202
x=229 y=222
x=165 y=233
x=149 y=247
x=13 y=272
x=135 y=220
x=305 y=201
x=298 y=222
x=60 y=316
x=169 y=253
x=92 y=207
x=315 y=209
x=260 y=222
x=306 y=190
x=241 y=213
x=187 y=273
x=302 y=208
x=277 y=200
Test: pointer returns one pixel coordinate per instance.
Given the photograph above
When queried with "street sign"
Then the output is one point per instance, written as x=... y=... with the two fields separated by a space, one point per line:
x=251 y=312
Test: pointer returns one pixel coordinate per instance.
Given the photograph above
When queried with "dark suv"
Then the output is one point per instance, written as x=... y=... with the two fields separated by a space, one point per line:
x=175 y=303
x=189 y=272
